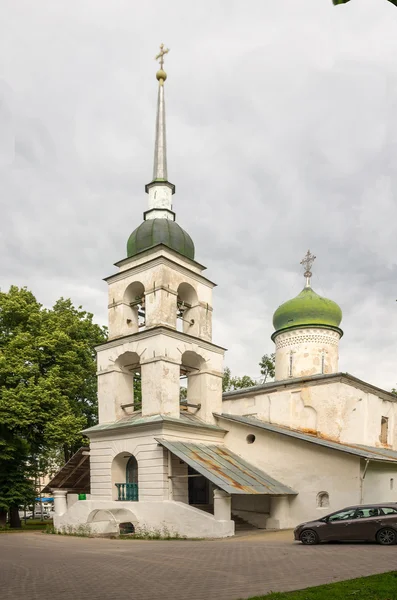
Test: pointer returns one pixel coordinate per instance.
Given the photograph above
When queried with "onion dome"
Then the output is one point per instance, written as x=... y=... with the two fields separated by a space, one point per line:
x=160 y=231
x=306 y=310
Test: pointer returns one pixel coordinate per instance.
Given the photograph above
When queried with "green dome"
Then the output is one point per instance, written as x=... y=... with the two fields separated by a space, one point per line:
x=160 y=231
x=308 y=308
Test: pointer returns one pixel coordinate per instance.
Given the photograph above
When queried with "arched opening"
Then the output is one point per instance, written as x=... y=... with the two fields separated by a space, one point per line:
x=191 y=365
x=323 y=500
x=187 y=301
x=130 y=368
x=125 y=480
x=134 y=307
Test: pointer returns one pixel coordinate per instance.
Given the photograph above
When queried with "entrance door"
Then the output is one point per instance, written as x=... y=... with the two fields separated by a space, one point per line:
x=198 y=488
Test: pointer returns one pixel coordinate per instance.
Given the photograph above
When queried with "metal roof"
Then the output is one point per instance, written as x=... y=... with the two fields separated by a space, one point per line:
x=368 y=452
x=74 y=476
x=311 y=380
x=225 y=469
x=136 y=419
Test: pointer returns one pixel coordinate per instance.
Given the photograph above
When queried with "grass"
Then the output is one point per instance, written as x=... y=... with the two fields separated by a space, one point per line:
x=375 y=587
x=31 y=525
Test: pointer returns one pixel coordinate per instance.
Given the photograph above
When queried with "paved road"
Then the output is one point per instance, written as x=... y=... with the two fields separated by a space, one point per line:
x=47 y=567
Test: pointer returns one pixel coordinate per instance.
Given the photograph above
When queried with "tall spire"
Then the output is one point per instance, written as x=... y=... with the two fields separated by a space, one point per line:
x=160 y=148
x=160 y=190
x=307 y=263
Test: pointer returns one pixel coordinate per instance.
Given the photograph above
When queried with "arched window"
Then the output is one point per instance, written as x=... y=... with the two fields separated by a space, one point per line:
x=134 y=307
x=131 y=471
x=323 y=500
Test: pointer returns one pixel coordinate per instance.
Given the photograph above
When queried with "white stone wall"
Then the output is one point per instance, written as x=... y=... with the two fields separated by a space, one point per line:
x=152 y=466
x=308 y=351
x=380 y=483
x=335 y=409
x=306 y=468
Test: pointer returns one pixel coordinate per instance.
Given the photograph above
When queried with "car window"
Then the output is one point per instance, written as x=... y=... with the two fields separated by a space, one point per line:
x=388 y=510
x=343 y=515
x=366 y=513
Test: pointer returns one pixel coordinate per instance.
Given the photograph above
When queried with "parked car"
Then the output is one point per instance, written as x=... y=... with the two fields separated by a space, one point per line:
x=370 y=523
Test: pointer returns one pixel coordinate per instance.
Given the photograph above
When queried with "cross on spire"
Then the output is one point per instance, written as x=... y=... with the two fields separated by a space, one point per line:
x=161 y=54
x=307 y=263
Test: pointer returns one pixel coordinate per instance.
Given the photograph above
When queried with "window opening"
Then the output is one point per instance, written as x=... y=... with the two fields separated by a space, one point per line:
x=181 y=308
x=250 y=438
x=290 y=364
x=139 y=304
x=392 y=483
x=384 y=430
x=322 y=363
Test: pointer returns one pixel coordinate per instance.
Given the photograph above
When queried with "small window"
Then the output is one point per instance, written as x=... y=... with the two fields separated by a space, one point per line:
x=323 y=500
x=290 y=363
x=388 y=510
x=250 y=438
x=391 y=483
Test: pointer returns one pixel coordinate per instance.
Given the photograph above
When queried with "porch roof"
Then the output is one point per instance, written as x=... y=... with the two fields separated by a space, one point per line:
x=74 y=476
x=225 y=469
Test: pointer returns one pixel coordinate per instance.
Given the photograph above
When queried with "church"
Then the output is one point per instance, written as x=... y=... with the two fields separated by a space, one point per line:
x=310 y=442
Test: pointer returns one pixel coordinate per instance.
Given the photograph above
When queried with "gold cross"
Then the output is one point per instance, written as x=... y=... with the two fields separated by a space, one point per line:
x=307 y=263
x=161 y=55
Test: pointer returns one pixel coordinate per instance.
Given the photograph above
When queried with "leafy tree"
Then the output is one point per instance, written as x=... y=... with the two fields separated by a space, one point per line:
x=235 y=383
x=267 y=366
x=47 y=387
x=344 y=2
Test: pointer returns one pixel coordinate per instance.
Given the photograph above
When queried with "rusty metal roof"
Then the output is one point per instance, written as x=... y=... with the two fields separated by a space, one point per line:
x=367 y=452
x=74 y=476
x=225 y=469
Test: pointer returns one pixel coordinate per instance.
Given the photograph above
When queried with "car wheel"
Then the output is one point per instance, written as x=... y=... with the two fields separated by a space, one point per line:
x=386 y=537
x=308 y=536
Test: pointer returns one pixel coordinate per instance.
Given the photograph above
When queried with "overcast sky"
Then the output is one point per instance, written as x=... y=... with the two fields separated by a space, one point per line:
x=282 y=136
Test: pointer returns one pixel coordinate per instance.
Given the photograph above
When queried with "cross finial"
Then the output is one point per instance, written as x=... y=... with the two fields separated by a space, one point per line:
x=307 y=263
x=160 y=55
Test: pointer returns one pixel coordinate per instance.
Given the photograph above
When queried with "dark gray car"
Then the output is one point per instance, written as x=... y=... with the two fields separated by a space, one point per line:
x=369 y=523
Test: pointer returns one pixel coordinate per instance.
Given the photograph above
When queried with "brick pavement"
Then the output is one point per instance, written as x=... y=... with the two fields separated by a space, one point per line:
x=37 y=566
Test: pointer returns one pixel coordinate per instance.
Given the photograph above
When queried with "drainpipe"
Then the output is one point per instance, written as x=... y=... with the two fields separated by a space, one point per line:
x=362 y=480
x=170 y=482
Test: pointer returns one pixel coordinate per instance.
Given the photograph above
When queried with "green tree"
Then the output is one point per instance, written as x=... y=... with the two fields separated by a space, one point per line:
x=344 y=2
x=267 y=366
x=230 y=383
x=47 y=387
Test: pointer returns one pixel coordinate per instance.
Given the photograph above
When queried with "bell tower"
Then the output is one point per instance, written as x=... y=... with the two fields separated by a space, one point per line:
x=160 y=312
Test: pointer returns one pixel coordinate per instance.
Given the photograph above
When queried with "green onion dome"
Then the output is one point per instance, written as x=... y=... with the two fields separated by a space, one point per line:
x=160 y=231
x=306 y=310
